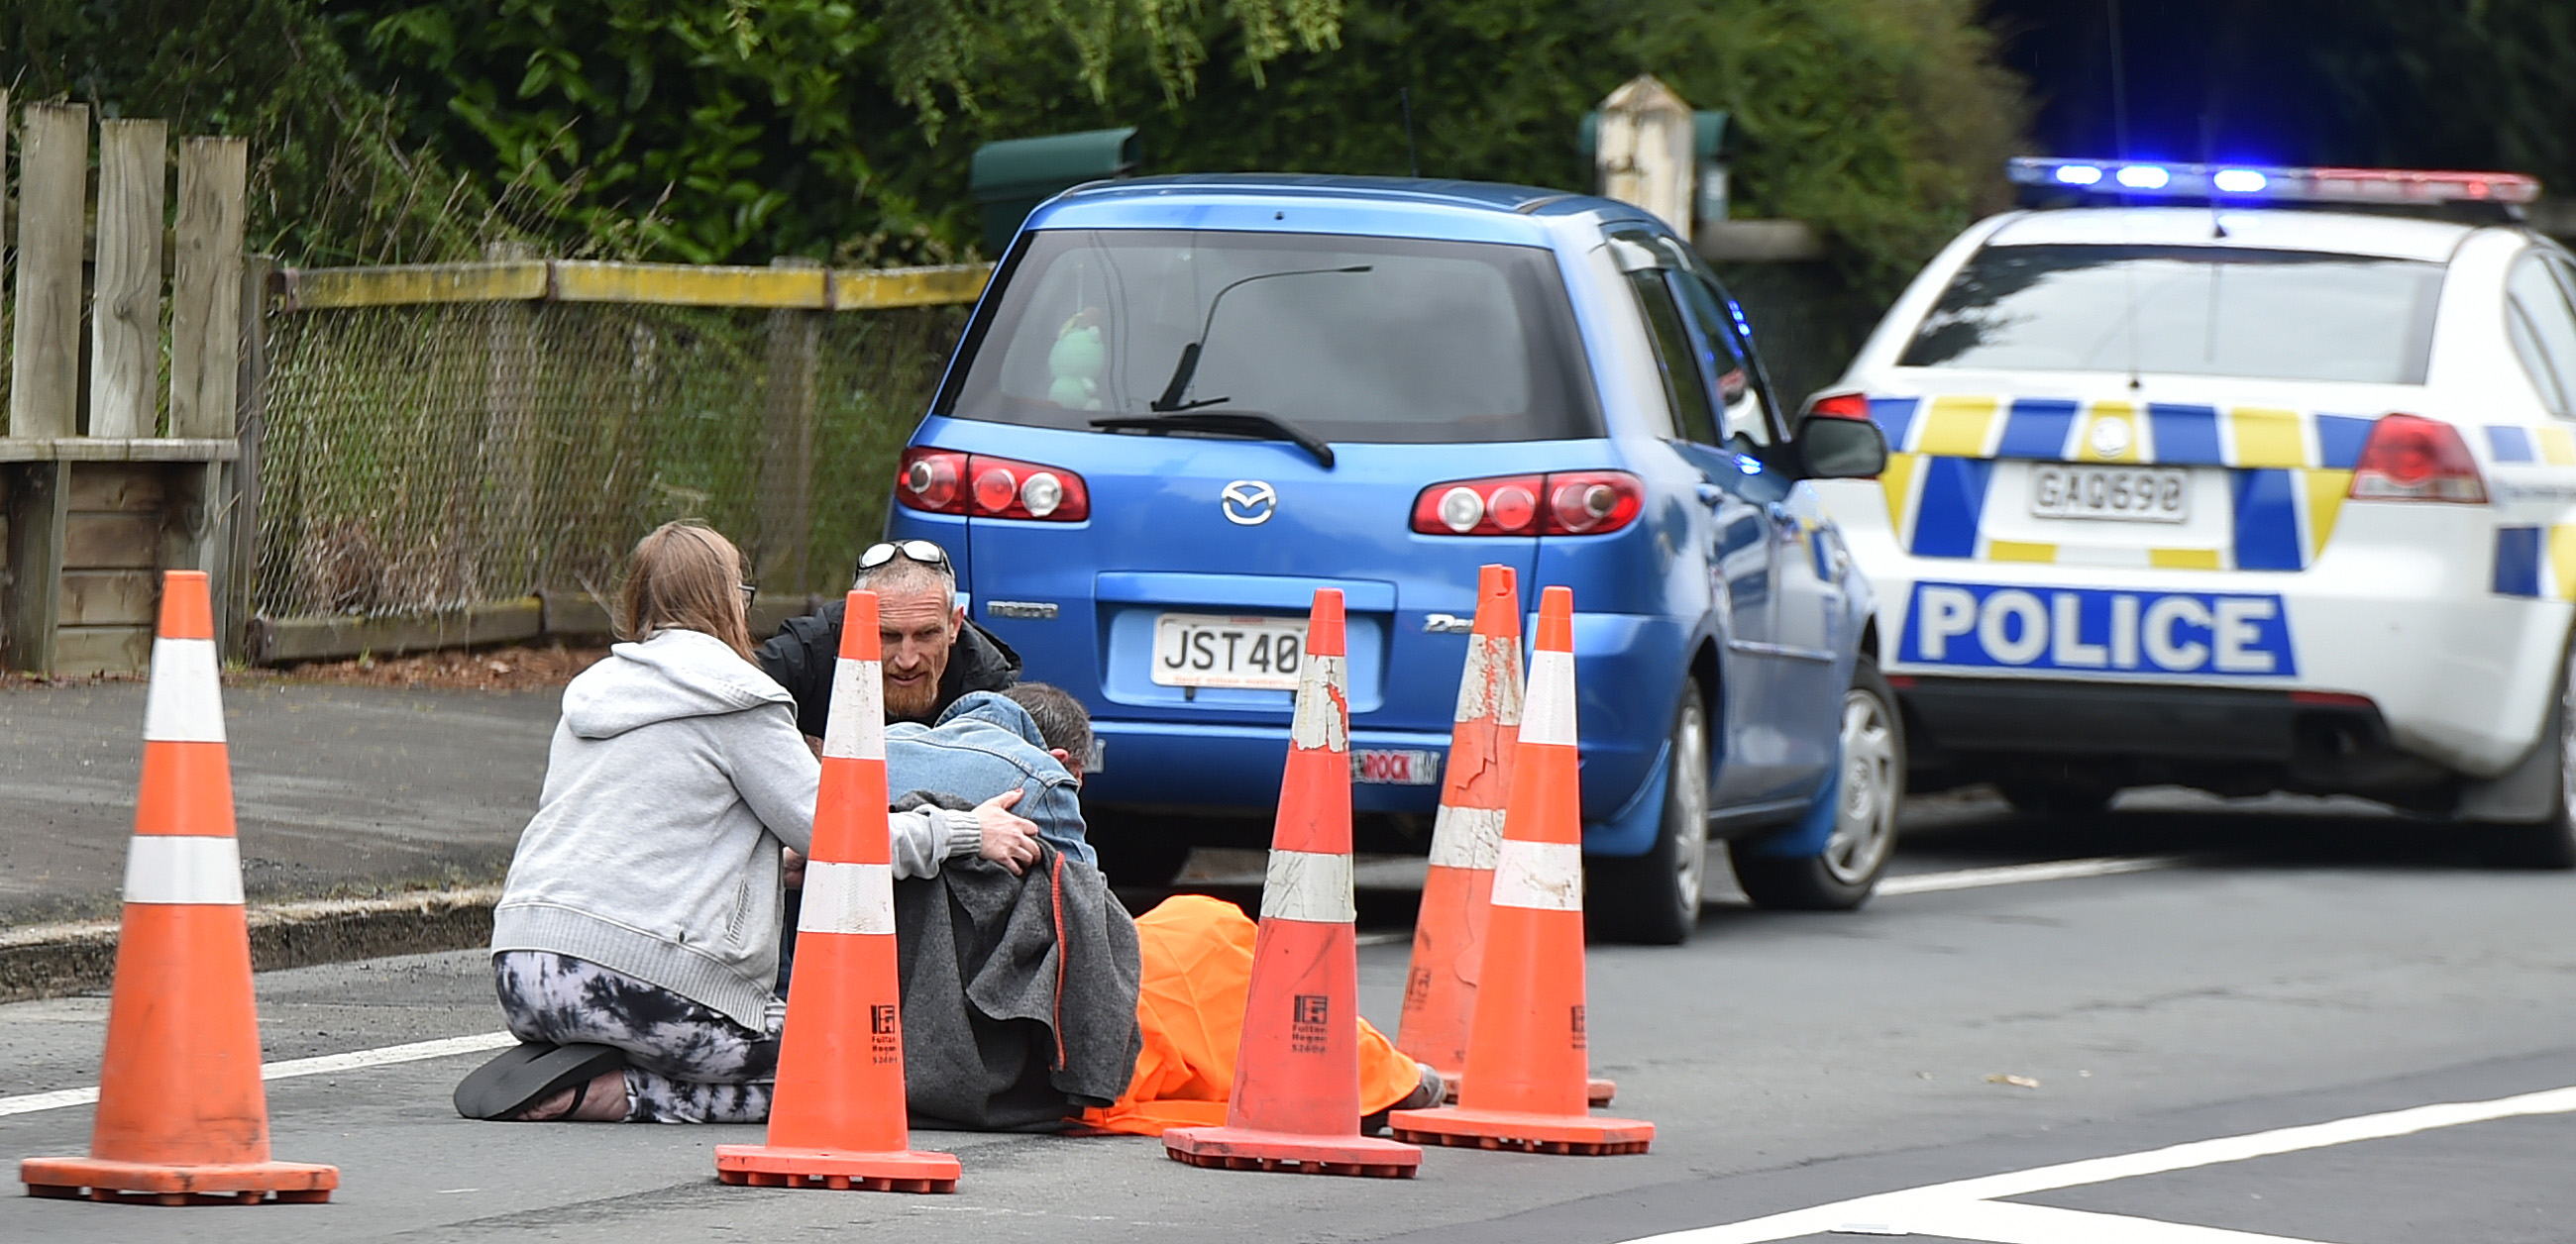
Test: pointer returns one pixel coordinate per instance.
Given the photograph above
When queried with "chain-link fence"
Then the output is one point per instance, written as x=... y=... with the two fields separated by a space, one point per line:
x=436 y=456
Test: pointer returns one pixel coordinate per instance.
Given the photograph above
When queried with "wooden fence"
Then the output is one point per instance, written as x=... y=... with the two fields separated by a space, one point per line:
x=107 y=476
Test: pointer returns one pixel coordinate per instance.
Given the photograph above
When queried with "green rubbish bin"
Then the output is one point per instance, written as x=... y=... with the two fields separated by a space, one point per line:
x=1008 y=179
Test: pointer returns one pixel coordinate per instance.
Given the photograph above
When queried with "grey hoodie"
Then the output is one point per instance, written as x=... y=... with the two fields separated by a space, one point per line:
x=674 y=776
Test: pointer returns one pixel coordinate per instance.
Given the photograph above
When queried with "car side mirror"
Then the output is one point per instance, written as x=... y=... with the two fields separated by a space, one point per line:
x=1831 y=448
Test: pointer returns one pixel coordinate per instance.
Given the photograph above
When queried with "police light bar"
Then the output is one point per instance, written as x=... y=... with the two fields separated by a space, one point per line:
x=2253 y=182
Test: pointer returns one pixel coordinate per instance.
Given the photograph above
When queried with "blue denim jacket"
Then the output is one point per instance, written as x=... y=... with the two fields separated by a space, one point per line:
x=983 y=745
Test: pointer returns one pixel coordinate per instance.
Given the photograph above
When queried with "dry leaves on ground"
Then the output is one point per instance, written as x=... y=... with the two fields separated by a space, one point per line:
x=490 y=669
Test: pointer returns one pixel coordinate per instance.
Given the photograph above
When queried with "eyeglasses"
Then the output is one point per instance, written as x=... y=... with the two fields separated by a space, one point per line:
x=748 y=591
x=922 y=551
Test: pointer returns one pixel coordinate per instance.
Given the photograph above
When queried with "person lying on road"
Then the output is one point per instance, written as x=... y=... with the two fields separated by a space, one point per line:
x=636 y=939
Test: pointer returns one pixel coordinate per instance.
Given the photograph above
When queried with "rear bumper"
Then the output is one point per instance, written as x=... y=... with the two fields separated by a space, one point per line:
x=2399 y=607
x=2219 y=737
x=1628 y=671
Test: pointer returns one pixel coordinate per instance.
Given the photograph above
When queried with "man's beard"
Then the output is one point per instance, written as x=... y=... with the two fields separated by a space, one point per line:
x=911 y=703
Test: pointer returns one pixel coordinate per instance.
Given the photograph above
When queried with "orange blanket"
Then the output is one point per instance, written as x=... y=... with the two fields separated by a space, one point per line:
x=1197 y=970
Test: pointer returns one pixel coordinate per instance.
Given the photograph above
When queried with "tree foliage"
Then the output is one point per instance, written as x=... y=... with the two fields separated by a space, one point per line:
x=737 y=130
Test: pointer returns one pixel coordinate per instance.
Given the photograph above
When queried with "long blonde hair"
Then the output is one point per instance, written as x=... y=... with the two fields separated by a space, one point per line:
x=685 y=577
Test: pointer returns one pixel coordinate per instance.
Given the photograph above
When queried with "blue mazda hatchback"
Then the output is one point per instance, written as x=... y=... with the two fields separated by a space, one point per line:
x=1186 y=403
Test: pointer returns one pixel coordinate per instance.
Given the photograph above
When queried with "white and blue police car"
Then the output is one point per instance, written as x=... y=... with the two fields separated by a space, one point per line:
x=2247 y=479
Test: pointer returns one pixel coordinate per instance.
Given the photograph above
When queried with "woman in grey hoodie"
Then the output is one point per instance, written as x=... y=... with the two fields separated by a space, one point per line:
x=636 y=939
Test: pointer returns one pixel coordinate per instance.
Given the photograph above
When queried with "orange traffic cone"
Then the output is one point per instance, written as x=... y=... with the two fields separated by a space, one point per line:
x=182 y=1116
x=1296 y=1100
x=837 y=1119
x=1525 y=1057
x=1449 y=932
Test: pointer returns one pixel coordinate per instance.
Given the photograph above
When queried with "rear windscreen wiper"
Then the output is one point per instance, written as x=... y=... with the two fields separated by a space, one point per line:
x=1188 y=366
x=1250 y=423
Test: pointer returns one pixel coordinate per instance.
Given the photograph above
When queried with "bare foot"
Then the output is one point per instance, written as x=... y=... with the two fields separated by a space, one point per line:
x=603 y=1100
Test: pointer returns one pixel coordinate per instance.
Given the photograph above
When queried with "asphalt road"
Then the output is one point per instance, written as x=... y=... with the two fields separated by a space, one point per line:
x=336 y=789
x=2295 y=966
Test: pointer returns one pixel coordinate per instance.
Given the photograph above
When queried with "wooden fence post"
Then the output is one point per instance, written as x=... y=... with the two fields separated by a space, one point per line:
x=53 y=173
x=787 y=443
x=206 y=303
x=125 y=307
x=250 y=423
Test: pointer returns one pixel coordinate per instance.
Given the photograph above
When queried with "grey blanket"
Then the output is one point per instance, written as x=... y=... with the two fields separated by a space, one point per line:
x=1019 y=994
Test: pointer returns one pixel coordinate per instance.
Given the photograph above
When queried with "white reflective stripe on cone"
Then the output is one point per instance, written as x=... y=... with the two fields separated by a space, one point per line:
x=1543 y=876
x=855 y=730
x=1491 y=686
x=1309 y=885
x=183 y=868
x=1321 y=722
x=847 y=898
x=1465 y=837
x=184 y=702
x=1547 y=714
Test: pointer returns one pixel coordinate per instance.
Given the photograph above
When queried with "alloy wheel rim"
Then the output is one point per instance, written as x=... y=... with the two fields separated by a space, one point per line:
x=1690 y=805
x=1865 y=815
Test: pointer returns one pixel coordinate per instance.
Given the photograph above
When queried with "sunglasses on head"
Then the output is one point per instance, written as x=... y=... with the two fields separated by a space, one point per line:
x=922 y=551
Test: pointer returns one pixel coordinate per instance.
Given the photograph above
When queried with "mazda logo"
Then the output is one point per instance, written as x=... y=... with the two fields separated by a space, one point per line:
x=1249 y=502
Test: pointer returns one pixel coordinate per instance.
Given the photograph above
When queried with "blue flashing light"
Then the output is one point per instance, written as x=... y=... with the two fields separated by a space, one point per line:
x=2078 y=174
x=2144 y=177
x=2240 y=181
x=1748 y=464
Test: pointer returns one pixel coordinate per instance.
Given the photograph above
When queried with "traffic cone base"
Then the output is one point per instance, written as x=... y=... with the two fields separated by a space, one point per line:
x=1526 y=1131
x=233 y=1183
x=777 y=1166
x=1247 y=1149
x=1597 y=1092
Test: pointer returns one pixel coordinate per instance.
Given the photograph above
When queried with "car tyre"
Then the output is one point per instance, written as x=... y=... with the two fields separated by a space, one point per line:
x=1653 y=899
x=2549 y=843
x=1844 y=874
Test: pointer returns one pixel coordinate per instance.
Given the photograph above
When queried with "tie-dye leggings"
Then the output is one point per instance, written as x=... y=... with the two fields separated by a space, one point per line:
x=686 y=1063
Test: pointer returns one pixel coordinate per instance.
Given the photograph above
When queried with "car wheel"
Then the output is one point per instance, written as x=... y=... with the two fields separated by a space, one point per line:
x=1653 y=899
x=2057 y=801
x=1843 y=875
x=2549 y=843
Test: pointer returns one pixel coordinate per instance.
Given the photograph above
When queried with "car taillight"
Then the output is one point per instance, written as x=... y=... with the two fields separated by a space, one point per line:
x=1839 y=406
x=1564 y=503
x=2409 y=458
x=943 y=481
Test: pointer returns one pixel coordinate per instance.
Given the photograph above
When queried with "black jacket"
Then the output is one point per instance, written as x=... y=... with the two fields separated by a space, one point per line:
x=801 y=654
x=1019 y=994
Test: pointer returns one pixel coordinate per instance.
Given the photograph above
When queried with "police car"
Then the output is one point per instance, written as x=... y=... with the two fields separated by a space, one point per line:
x=2250 y=479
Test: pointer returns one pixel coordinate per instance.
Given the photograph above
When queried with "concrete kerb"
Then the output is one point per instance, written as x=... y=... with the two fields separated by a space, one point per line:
x=50 y=960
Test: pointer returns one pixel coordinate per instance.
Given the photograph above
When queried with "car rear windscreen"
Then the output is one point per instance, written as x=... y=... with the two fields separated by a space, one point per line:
x=2185 y=310
x=1352 y=339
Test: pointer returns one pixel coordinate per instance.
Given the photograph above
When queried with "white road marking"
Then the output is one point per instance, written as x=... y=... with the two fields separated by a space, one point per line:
x=2018 y=874
x=1970 y=1209
x=290 y=1069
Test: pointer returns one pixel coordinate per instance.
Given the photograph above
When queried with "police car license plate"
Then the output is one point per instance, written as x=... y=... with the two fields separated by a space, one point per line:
x=2134 y=493
x=1203 y=650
